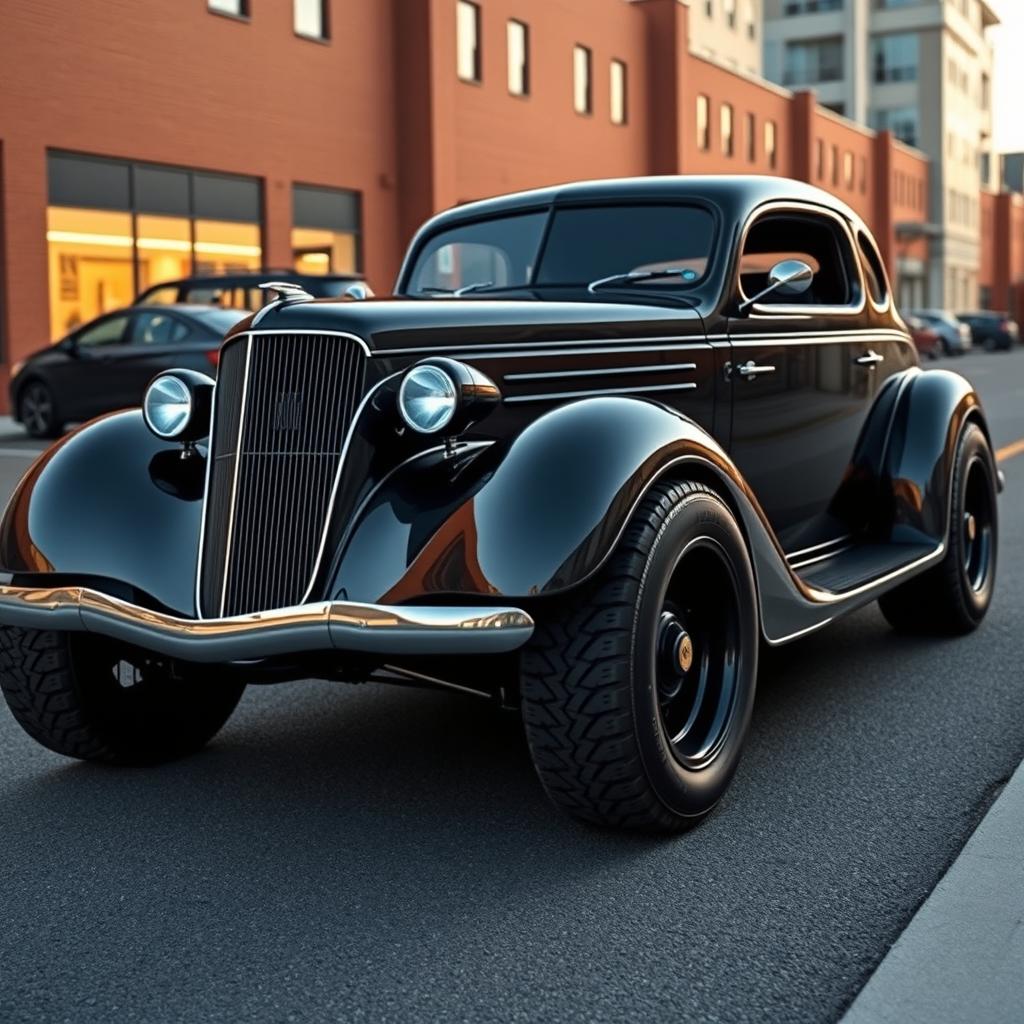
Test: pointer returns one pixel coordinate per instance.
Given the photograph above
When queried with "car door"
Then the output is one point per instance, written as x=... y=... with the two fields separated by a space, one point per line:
x=158 y=339
x=84 y=385
x=803 y=371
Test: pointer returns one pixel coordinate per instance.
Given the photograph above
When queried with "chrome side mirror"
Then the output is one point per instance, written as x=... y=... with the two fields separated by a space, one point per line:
x=787 y=277
x=358 y=291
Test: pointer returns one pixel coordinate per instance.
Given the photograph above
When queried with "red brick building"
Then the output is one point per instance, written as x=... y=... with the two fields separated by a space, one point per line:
x=141 y=139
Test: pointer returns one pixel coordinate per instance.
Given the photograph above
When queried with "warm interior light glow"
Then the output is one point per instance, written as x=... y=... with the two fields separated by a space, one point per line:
x=168 y=244
x=317 y=257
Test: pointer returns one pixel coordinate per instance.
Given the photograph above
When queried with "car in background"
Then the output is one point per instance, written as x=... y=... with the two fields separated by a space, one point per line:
x=991 y=330
x=242 y=290
x=926 y=338
x=106 y=363
x=954 y=334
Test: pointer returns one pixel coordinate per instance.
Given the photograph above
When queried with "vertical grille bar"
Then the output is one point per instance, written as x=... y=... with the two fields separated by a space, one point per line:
x=284 y=450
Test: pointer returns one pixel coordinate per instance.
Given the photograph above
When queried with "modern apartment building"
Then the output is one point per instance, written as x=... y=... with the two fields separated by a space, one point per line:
x=921 y=69
x=729 y=32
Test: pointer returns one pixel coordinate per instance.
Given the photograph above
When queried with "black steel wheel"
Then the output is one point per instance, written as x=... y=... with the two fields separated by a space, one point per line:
x=87 y=697
x=37 y=410
x=637 y=692
x=954 y=597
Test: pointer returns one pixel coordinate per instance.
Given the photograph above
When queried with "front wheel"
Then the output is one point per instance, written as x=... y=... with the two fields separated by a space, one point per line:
x=954 y=597
x=637 y=693
x=37 y=410
x=86 y=697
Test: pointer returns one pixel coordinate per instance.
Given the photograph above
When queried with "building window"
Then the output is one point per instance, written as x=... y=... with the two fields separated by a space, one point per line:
x=582 y=91
x=730 y=12
x=311 y=18
x=862 y=173
x=811 y=6
x=894 y=57
x=709 y=8
x=819 y=160
x=751 y=137
x=467 y=41
x=835 y=165
x=619 y=93
x=725 y=123
x=818 y=60
x=770 y=143
x=703 y=123
x=114 y=228
x=325 y=230
x=848 y=170
x=751 y=19
x=901 y=121
x=238 y=8
x=518 y=59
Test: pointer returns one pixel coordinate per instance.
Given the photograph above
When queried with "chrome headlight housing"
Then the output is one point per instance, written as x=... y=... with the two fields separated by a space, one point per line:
x=427 y=399
x=177 y=405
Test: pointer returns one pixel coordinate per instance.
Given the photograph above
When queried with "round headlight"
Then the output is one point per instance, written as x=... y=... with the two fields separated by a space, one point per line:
x=427 y=399
x=167 y=406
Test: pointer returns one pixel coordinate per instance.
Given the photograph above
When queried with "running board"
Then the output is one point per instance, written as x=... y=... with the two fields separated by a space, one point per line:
x=859 y=565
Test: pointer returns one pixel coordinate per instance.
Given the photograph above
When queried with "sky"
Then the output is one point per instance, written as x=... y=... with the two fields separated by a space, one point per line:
x=1008 y=84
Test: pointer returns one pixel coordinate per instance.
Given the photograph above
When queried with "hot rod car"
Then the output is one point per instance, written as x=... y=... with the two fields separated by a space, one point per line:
x=603 y=442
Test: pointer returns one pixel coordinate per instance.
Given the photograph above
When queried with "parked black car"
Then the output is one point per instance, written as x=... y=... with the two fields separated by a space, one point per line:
x=991 y=330
x=107 y=363
x=242 y=290
x=606 y=439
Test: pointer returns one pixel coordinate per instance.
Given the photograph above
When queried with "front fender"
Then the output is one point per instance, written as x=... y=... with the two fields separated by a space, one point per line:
x=533 y=517
x=111 y=502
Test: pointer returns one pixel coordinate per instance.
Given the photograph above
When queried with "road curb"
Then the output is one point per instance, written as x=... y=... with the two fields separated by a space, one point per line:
x=961 y=958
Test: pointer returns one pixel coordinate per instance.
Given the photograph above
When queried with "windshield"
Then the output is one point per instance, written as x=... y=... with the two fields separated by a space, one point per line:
x=584 y=244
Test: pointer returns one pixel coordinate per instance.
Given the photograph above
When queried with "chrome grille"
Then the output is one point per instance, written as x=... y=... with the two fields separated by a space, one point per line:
x=284 y=406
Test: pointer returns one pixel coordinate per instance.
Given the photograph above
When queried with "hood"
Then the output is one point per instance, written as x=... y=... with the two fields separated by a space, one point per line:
x=386 y=324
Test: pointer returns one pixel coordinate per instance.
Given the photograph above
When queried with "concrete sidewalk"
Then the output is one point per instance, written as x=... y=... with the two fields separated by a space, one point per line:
x=961 y=958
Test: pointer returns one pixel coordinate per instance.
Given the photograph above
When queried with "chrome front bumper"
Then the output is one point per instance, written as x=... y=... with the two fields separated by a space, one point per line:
x=324 y=626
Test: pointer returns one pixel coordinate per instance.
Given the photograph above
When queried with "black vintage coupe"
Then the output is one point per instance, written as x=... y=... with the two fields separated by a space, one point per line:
x=604 y=441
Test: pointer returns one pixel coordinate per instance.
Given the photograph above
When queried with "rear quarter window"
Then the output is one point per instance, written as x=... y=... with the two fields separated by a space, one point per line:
x=874 y=273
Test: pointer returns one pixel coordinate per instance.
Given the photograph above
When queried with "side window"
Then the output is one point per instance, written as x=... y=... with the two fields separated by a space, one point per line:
x=158 y=329
x=817 y=241
x=106 y=332
x=874 y=273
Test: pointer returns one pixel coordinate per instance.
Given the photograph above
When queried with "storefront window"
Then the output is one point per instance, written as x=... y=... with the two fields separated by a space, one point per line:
x=90 y=255
x=325 y=236
x=115 y=228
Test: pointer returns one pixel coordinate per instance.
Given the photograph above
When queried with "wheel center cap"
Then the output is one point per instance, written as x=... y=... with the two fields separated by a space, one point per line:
x=684 y=652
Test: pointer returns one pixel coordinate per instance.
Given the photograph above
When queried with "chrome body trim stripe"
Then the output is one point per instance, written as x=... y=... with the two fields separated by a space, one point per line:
x=234 y=480
x=325 y=625
x=607 y=371
x=557 y=395
x=803 y=563
x=844 y=539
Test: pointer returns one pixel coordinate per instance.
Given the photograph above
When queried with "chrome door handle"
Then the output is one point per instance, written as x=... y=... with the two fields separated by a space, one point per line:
x=750 y=370
x=870 y=358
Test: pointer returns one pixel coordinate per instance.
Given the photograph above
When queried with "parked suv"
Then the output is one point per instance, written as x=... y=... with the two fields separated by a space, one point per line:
x=241 y=290
x=954 y=334
x=991 y=330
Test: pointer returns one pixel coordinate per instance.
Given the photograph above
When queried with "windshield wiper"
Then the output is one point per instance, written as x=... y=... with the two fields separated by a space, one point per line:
x=636 y=275
x=480 y=286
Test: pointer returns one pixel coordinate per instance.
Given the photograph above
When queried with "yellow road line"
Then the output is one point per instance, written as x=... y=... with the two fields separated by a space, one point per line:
x=1010 y=451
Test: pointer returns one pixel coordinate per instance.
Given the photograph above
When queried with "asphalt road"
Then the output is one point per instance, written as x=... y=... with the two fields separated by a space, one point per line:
x=351 y=854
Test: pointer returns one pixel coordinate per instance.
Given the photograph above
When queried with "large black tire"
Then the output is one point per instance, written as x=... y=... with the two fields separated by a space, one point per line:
x=953 y=597
x=87 y=698
x=598 y=677
x=38 y=412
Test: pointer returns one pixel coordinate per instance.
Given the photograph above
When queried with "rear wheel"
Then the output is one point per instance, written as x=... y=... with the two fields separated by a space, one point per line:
x=87 y=697
x=954 y=597
x=637 y=694
x=37 y=410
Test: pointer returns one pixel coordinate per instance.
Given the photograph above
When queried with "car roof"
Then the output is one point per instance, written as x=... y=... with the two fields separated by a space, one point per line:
x=738 y=192
x=247 y=276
